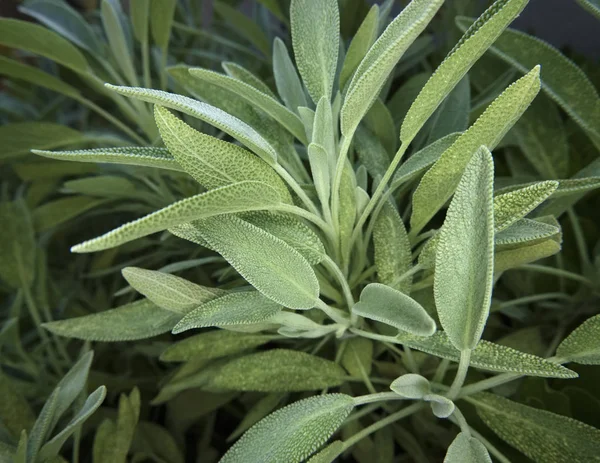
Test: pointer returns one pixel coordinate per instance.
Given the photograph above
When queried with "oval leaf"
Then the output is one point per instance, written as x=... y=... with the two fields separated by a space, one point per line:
x=467 y=449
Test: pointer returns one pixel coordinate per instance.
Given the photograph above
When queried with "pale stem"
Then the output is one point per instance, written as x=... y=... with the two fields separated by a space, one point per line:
x=335 y=314
x=461 y=374
x=580 y=239
x=556 y=272
x=297 y=189
x=461 y=421
x=337 y=273
x=376 y=397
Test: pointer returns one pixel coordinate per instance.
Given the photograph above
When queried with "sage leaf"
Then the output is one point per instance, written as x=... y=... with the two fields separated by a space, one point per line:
x=237 y=197
x=315 y=28
x=506 y=259
x=245 y=76
x=244 y=26
x=138 y=320
x=411 y=386
x=582 y=345
x=514 y=205
x=457 y=63
x=319 y=167
x=161 y=21
x=292 y=433
x=441 y=406
x=258 y=411
x=329 y=453
x=119 y=38
x=57 y=212
x=453 y=113
x=464 y=257
x=18 y=140
x=15 y=412
x=524 y=232
x=541 y=435
x=467 y=449
x=287 y=81
x=380 y=121
x=371 y=152
x=357 y=358
x=17 y=245
x=592 y=6
x=387 y=305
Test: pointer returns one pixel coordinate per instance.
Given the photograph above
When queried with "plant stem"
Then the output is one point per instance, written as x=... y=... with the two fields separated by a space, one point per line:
x=556 y=272
x=461 y=421
x=297 y=189
x=337 y=273
x=440 y=372
x=461 y=374
x=307 y=215
x=488 y=383
x=377 y=397
x=580 y=239
x=406 y=275
x=529 y=299
x=335 y=314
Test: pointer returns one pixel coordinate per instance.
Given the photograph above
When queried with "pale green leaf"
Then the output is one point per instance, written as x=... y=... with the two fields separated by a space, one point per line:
x=357 y=358
x=42 y=428
x=524 y=232
x=467 y=449
x=441 y=406
x=137 y=320
x=371 y=152
x=139 y=11
x=288 y=83
x=243 y=26
x=378 y=63
x=319 y=167
x=411 y=386
x=238 y=308
x=118 y=39
x=347 y=209
x=511 y=258
x=315 y=28
x=542 y=436
x=329 y=453
x=161 y=20
x=583 y=344
x=244 y=75
x=441 y=179
x=59 y=211
x=380 y=121
x=387 y=305
x=292 y=433
x=21 y=137
x=465 y=252
x=467 y=51
x=453 y=113
x=17 y=245
x=323 y=129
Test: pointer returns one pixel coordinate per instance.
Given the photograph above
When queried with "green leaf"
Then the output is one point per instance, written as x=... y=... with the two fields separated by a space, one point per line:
x=161 y=21
x=257 y=412
x=329 y=453
x=239 y=308
x=361 y=43
x=242 y=74
x=61 y=18
x=457 y=63
x=268 y=104
x=464 y=257
x=542 y=436
x=562 y=80
x=54 y=213
x=378 y=63
x=371 y=152
x=467 y=449
x=212 y=345
x=167 y=291
x=276 y=370
x=393 y=254
x=379 y=120
x=237 y=197
x=387 y=305
x=281 y=274
x=453 y=113
x=593 y=6
x=319 y=167
x=210 y=114
x=411 y=386
x=441 y=179
x=212 y=162
x=512 y=206
x=347 y=209
x=144 y=156
x=21 y=137
x=511 y=258
x=15 y=413
x=315 y=28
x=583 y=344
x=118 y=38
x=524 y=232
x=243 y=26
x=441 y=406
x=287 y=81
x=137 y=320
x=17 y=245
x=41 y=41
x=357 y=358
x=139 y=12
x=292 y=433
x=402 y=99
x=488 y=356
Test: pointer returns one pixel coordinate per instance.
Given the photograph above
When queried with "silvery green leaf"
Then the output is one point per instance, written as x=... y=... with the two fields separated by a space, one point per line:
x=21 y=137
x=511 y=258
x=542 y=436
x=457 y=63
x=15 y=412
x=361 y=43
x=583 y=344
x=315 y=28
x=393 y=254
x=593 y=6
x=514 y=205
x=212 y=162
x=244 y=26
x=102 y=186
x=17 y=245
x=281 y=274
x=237 y=197
x=238 y=308
x=276 y=370
x=399 y=103
x=329 y=453
x=347 y=209
x=464 y=262
x=287 y=81
x=453 y=113
x=144 y=156
x=374 y=69
x=441 y=406
x=319 y=167
x=257 y=98
x=258 y=411
x=161 y=20
x=524 y=232
x=137 y=320
x=438 y=184
x=41 y=429
x=323 y=129
x=119 y=38
x=244 y=75
x=213 y=344
x=210 y=114
x=292 y=433
x=139 y=12
x=362 y=199
x=380 y=121
x=357 y=358
x=411 y=386
x=562 y=80
x=467 y=449
x=371 y=152
x=488 y=356
x=387 y=305
x=168 y=291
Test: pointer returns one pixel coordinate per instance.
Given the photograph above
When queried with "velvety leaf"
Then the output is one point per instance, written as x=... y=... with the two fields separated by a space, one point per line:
x=243 y=26
x=583 y=344
x=161 y=21
x=357 y=358
x=467 y=449
x=329 y=453
x=411 y=386
x=258 y=411
x=511 y=258
x=453 y=113
x=119 y=38
x=524 y=232
x=319 y=167
x=288 y=83
x=242 y=74
x=347 y=209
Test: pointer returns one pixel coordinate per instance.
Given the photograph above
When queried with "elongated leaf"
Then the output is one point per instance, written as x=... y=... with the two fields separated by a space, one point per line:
x=593 y=6
x=371 y=152
x=467 y=449
x=524 y=232
x=315 y=28
x=137 y=320
x=329 y=453
x=357 y=358
x=453 y=113
x=488 y=356
x=393 y=255
x=281 y=274
x=562 y=80
x=161 y=20
x=347 y=209
x=237 y=197
x=541 y=435
x=387 y=305
x=118 y=39
x=139 y=11
x=21 y=137
x=467 y=51
x=464 y=257
x=258 y=411
x=213 y=344
x=243 y=26
x=399 y=103
x=17 y=245
x=15 y=413
x=374 y=69
x=288 y=83
x=292 y=433
x=212 y=162
x=242 y=74
x=57 y=212
x=239 y=308
x=167 y=291
x=583 y=344
x=210 y=114
x=144 y=156
x=319 y=167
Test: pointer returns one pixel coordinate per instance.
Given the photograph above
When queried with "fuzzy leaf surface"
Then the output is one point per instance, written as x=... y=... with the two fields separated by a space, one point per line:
x=467 y=449
x=583 y=344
